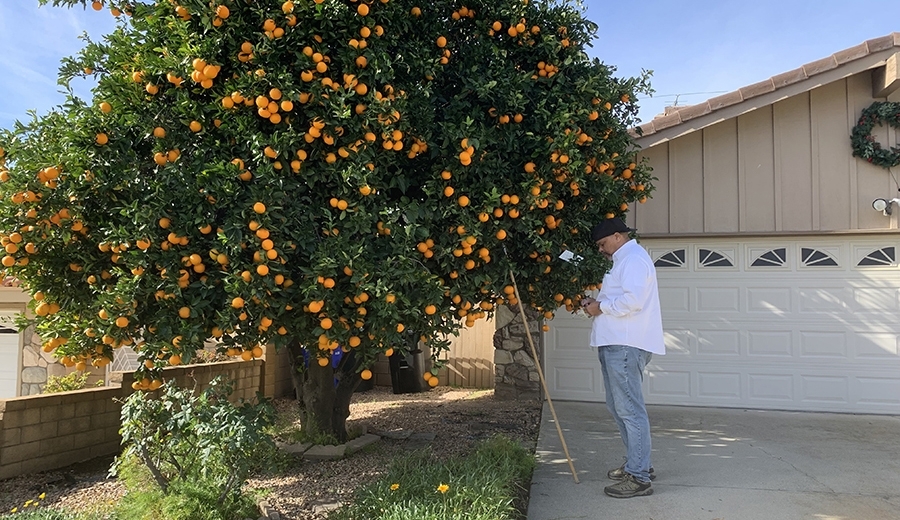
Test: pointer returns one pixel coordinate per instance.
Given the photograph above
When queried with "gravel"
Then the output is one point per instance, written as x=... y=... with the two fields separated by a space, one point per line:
x=453 y=419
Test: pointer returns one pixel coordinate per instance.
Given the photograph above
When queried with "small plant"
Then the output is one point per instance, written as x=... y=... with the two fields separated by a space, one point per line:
x=188 y=456
x=68 y=382
x=481 y=486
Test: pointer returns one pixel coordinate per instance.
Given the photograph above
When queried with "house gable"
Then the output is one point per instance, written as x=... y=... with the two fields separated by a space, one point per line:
x=774 y=157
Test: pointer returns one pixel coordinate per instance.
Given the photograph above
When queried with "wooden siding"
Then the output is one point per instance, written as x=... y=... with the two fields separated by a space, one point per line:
x=782 y=168
x=470 y=361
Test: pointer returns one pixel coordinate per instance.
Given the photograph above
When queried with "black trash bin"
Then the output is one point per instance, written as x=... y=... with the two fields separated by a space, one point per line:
x=406 y=372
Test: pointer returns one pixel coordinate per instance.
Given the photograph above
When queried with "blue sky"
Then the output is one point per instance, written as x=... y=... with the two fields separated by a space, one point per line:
x=696 y=49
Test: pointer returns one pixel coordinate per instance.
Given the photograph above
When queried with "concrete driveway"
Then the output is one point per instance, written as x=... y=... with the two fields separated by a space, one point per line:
x=723 y=464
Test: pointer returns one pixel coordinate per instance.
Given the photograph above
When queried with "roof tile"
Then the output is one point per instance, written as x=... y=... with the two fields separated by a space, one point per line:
x=787 y=78
x=816 y=67
x=692 y=111
x=758 y=89
x=725 y=100
x=645 y=129
x=853 y=53
x=662 y=122
x=880 y=44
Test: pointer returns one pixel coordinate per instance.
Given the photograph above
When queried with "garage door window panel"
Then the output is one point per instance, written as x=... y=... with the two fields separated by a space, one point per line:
x=811 y=257
x=884 y=257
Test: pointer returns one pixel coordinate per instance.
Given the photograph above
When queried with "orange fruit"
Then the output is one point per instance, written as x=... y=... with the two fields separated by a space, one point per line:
x=323 y=362
x=174 y=360
x=366 y=374
x=363 y=10
x=122 y=322
x=184 y=312
x=430 y=309
x=237 y=302
x=102 y=139
x=442 y=42
x=326 y=323
x=401 y=327
x=463 y=201
x=259 y=208
x=262 y=269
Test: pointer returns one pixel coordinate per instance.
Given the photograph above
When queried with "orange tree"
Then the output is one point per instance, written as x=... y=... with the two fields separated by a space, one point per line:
x=330 y=174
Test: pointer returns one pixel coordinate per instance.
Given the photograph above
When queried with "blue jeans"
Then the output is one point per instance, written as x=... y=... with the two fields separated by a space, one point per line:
x=623 y=372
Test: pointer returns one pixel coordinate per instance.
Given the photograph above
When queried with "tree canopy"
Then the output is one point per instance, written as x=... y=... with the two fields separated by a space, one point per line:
x=340 y=173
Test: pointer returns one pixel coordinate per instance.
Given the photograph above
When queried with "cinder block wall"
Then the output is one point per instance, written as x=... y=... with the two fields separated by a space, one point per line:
x=52 y=431
x=277 y=380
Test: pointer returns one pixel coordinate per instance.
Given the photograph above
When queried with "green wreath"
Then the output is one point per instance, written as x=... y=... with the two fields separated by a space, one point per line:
x=864 y=144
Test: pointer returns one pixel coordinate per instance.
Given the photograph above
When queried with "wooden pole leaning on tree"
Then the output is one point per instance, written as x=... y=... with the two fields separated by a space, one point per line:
x=537 y=364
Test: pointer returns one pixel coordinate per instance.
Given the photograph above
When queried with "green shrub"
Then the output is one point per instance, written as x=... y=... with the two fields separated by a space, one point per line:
x=188 y=456
x=481 y=486
x=71 y=381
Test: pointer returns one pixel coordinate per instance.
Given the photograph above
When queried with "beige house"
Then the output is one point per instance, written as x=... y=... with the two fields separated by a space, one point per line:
x=779 y=281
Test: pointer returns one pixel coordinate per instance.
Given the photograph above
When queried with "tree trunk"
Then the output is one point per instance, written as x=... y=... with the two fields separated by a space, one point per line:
x=348 y=381
x=318 y=399
x=324 y=393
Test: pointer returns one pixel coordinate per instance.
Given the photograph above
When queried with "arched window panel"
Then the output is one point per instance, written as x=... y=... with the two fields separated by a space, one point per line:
x=673 y=258
x=816 y=258
x=879 y=257
x=710 y=258
x=772 y=258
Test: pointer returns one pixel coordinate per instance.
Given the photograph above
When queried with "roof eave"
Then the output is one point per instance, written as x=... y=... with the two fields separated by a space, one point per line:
x=867 y=56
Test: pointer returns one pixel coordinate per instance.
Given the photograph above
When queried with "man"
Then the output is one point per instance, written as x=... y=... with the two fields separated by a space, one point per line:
x=627 y=329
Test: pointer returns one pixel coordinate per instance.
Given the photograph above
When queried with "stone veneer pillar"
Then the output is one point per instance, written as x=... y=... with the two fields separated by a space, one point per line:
x=515 y=373
x=37 y=365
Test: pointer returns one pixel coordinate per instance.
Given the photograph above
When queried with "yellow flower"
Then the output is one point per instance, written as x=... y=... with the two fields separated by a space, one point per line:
x=395 y=487
x=443 y=488
x=13 y=510
x=42 y=496
x=28 y=503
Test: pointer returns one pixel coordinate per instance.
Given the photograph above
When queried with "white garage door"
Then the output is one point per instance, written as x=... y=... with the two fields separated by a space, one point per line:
x=792 y=324
x=9 y=355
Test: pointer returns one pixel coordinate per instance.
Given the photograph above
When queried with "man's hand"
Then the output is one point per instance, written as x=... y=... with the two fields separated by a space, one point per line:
x=591 y=307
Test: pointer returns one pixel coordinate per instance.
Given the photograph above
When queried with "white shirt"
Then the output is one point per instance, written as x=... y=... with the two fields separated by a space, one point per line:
x=629 y=299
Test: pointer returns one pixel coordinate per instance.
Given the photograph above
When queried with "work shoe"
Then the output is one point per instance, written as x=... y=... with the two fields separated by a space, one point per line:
x=628 y=487
x=619 y=473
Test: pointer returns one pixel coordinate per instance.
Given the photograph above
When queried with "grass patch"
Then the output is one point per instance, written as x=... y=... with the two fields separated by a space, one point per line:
x=45 y=514
x=484 y=485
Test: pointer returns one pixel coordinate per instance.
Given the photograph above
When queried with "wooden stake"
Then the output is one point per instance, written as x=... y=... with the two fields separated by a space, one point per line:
x=537 y=364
